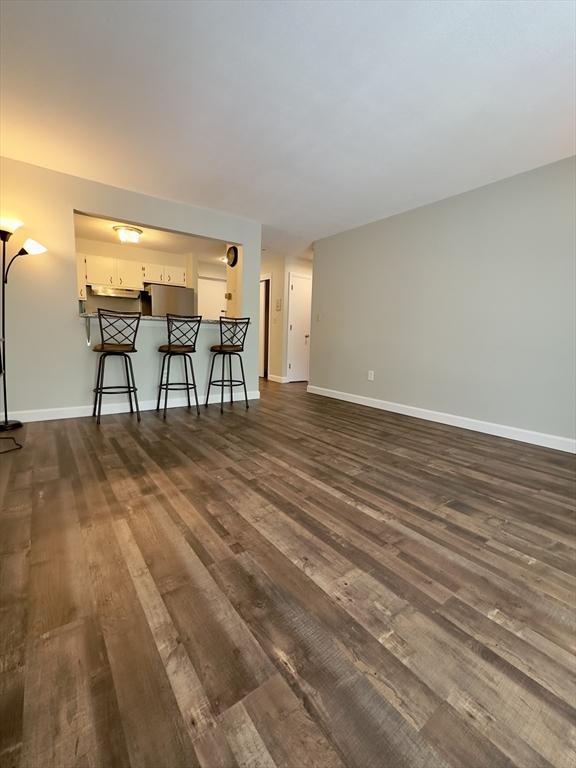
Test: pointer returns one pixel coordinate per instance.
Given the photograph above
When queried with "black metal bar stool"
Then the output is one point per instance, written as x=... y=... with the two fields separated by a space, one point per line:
x=232 y=335
x=118 y=333
x=182 y=334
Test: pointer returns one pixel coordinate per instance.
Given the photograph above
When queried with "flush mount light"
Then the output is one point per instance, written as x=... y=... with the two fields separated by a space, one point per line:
x=128 y=234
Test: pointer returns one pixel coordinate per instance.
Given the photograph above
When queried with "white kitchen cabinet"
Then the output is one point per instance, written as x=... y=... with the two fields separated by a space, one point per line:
x=100 y=270
x=122 y=273
x=129 y=274
x=154 y=273
x=175 y=275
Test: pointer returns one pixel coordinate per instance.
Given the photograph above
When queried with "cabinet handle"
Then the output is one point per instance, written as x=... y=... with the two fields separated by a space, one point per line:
x=111 y=281
x=120 y=281
x=169 y=278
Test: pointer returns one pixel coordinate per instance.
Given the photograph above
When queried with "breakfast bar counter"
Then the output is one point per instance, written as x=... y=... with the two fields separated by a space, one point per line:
x=147 y=360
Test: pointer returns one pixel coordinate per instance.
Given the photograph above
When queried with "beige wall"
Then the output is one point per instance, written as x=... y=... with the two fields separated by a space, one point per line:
x=464 y=307
x=49 y=363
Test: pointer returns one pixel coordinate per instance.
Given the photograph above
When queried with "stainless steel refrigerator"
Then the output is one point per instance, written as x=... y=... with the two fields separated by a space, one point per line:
x=164 y=299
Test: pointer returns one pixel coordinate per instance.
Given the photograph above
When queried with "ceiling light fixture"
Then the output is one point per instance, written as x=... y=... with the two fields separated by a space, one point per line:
x=128 y=234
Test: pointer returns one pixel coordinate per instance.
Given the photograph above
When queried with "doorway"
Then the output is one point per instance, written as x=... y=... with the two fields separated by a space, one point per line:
x=299 y=312
x=264 y=328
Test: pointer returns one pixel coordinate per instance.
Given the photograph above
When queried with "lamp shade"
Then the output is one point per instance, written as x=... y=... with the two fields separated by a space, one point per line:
x=33 y=247
x=10 y=225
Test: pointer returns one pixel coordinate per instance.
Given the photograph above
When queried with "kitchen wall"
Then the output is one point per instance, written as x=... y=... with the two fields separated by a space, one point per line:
x=462 y=308
x=49 y=363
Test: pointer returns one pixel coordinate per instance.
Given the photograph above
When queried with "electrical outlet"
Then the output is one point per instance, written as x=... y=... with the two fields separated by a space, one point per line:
x=370 y=375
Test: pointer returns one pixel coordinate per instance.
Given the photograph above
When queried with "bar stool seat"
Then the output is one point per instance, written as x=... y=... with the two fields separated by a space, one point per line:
x=226 y=348
x=176 y=349
x=118 y=349
x=182 y=334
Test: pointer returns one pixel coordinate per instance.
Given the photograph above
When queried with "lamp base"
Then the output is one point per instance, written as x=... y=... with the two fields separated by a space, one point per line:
x=8 y=426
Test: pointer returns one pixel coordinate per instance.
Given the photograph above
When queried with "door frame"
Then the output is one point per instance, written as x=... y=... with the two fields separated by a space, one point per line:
x=266 y=277
x=289 y=291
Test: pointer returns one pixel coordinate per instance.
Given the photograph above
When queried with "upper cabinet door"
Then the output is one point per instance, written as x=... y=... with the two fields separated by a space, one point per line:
x=129 y=274
x=154 y=273
x=175 y=275
x=100 y=270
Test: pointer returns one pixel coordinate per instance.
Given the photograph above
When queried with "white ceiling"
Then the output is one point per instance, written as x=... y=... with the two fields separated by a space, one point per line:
x=101 y=230
x=311 y=117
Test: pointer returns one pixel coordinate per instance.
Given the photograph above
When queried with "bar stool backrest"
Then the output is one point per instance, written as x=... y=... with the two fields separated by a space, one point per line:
x=118 y=327
x=233 y=331
x=183 y=329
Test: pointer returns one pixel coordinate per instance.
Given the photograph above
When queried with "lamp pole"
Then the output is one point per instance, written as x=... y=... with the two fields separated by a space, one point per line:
x=6 y=424
x=7 y=227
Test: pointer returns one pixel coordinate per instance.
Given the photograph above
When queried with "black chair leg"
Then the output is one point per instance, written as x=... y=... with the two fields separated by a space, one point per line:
x=98 y=385
x=231 y=385
x=128 y=382
x=161 y=382
x=135 y=389
x=100 y=391
x=189 y=358
x=210 y=380
x=243 y=380
x=222 y=387
x=167 y=382
x=184 y=356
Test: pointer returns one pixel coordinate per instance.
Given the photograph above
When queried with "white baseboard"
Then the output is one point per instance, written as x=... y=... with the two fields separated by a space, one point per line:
x=500 y=430
x=278 y=379
x=77 y=411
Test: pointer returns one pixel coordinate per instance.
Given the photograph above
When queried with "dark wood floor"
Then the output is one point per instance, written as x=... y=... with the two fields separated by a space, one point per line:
x=310 y=583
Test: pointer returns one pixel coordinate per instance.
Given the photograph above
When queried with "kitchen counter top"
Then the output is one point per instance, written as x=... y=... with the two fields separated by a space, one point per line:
x=146 y=318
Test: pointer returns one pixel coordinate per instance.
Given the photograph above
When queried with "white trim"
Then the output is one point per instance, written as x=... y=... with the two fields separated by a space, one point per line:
x=78 y=411
x=278 y=379
x=501 y=430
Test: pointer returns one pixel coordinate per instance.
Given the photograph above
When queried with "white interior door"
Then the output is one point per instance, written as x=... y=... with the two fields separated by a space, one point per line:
x=299 y=311
x=262 y=331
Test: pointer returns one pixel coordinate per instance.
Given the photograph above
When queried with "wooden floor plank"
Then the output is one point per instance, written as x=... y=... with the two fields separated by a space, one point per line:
x=306 y=584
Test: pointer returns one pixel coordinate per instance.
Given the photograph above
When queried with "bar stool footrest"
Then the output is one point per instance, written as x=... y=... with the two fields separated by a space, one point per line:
x=226 y=383
x=178 y=386
x=115 y=389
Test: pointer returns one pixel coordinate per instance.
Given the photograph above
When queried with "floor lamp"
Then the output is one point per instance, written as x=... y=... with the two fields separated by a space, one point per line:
x=7 y=229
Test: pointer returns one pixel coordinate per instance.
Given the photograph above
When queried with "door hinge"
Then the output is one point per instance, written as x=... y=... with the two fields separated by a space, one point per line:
x=290 y=366
x=290 y=326
x=291 y=287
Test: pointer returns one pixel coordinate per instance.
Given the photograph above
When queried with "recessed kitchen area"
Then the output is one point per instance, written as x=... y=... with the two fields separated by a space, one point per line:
x=129 y=267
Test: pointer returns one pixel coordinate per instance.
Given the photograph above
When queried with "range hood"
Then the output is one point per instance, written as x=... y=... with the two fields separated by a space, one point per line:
x=118 y=293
